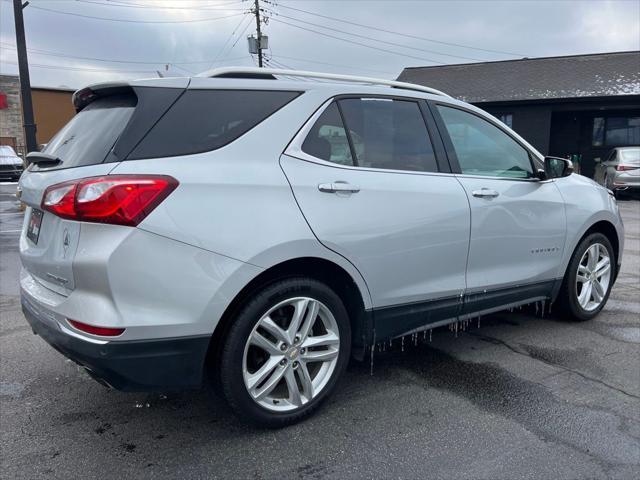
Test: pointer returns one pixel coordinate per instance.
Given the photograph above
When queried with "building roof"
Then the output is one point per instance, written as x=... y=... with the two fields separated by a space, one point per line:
x=595 y=75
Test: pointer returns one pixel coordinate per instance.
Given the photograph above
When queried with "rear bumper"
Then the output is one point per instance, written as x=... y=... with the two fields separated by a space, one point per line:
x=625 y=181
x=137 y=365
x=622 y=187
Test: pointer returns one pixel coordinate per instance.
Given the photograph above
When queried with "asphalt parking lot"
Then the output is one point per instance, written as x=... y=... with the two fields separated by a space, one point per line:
x=519 y=397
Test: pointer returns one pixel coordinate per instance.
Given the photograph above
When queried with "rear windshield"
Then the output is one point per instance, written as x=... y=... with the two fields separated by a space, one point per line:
x=630 y=155
x=90 y=135
x=204 y=120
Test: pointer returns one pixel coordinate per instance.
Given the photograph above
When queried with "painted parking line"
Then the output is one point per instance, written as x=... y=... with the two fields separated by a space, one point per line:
x=10 y=231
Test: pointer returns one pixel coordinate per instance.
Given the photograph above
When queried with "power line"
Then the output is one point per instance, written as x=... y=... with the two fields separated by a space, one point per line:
x=332 y=64
x=134 y=21
x=236 y=42
x=159 y=7
x=191 y=72
x=378 y=40
x=357 y=43
x=415 y=37
x=10 y=46
x=227 y=42
x=81 y=69
x=279 y=64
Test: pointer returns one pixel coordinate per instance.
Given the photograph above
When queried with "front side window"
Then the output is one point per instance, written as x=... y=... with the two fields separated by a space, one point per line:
x=484 y=149
x=389 y=134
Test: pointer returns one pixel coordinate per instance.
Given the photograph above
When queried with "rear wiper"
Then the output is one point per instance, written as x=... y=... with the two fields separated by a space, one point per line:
x=43 y=160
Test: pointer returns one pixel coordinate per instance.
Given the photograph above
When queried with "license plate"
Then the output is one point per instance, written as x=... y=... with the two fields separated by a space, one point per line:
x=33 y=229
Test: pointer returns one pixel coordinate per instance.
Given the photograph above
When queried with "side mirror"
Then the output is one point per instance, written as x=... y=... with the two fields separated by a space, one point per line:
x=555 y=167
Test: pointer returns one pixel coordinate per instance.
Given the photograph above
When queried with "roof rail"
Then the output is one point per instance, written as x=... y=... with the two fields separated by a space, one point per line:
x=230 y=72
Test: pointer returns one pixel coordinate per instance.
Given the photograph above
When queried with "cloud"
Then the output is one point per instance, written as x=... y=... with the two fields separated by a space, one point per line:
x=531 y=28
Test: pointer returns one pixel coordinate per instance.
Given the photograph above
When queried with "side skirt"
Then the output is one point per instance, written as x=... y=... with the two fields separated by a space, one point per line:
x=398 y=320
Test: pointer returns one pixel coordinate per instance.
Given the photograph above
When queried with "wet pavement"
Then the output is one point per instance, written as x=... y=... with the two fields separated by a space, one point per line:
x=519 y=397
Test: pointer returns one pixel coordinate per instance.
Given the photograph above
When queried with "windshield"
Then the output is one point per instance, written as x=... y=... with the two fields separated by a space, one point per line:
x=91 y=134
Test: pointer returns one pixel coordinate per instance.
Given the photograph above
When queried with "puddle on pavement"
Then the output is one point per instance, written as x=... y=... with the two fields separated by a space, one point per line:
x=498 y=391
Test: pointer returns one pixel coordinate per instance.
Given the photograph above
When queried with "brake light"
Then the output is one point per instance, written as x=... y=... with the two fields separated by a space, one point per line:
x=93 y=330
x=112 y=199
x=624 y=168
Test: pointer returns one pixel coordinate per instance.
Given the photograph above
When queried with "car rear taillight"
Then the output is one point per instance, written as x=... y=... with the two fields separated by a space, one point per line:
x=624 y=168
x=93 y=330
x=113 y=199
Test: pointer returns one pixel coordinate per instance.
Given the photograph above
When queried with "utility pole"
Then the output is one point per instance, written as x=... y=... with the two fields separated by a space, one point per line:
x=25 y=83
x=259 y=34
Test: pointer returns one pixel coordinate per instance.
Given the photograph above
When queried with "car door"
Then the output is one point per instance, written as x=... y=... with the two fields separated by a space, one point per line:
x=373 y=192
x=518 y=222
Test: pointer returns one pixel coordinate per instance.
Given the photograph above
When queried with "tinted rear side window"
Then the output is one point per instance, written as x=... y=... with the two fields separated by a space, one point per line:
x=90 y=135
x=389 y=134
x=327 y=139
x=204 y=120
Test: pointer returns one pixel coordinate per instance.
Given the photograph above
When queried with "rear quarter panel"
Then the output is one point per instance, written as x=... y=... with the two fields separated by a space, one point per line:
x=236 y=201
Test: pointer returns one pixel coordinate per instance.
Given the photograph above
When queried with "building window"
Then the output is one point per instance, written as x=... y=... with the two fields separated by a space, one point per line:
x=598 y=132
x=623 y=131
x=506 y=118
x=616 y=131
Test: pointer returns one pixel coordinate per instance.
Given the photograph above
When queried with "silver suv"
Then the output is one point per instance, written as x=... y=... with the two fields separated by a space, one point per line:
x=268 y=230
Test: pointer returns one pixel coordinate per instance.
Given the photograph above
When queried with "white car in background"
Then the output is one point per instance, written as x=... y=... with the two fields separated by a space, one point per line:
x=620 y=171
x=10 y=164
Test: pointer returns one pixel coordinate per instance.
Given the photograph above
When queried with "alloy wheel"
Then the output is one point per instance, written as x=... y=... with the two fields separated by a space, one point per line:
x=291 y=354
x=593 y=277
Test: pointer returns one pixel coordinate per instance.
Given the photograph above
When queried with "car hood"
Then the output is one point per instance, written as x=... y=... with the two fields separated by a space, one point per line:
x=10 y=160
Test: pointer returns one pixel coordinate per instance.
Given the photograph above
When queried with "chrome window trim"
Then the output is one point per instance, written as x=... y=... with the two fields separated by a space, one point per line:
x=532 y=179
x=309 y=158
x=294 y=149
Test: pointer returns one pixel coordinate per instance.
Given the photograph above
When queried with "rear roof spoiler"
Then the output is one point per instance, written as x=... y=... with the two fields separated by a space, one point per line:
x=83 y=97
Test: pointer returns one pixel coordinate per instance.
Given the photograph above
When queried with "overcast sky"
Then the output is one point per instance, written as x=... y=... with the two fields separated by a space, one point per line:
x=181 y=36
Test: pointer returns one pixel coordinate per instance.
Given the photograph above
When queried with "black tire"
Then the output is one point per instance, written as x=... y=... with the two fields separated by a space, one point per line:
x=231 y=358
x=568 y=296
